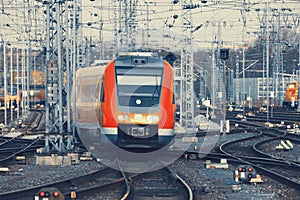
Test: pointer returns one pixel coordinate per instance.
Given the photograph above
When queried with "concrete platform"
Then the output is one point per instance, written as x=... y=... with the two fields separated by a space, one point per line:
x=13 y=134
x=54 y=160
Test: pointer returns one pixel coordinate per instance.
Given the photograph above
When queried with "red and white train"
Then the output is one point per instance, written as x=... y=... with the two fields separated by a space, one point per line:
x=130 y=101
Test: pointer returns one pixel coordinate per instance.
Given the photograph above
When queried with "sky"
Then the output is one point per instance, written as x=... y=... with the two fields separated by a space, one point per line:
x=218 y=20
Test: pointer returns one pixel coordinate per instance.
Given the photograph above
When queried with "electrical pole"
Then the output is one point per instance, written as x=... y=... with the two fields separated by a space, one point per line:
x=267 y=56
x=101 y=44
x=5 y=83
x=187 y=69
x=243 y=52
x=23 y=80
x=74 y=65
x=213 y=60
x=18 y=83
x=237 y=77
x=11 y=85
x=59 y=72
x=298 y=108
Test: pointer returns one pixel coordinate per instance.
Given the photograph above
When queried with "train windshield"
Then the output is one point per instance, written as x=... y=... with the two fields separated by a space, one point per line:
x=14 y=91
x=138 y=86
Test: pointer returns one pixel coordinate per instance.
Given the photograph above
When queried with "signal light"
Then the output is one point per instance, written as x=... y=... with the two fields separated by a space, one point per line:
x=240 y=169
x=47 y=194
x=224 y=54
x=42 y=194
x=250 y=169
x=55 y=194
x=73 y=195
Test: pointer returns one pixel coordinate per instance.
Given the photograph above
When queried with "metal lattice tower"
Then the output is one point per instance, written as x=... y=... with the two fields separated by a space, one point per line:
x=62 y=35
x=280 y=19
x=115 y=27
x=125 y=25
x=101 y=44
x=277 y=71
x=187 y=75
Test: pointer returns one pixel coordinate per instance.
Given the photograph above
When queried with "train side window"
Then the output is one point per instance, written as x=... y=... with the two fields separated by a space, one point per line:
x=102 y=92
x=173 y=98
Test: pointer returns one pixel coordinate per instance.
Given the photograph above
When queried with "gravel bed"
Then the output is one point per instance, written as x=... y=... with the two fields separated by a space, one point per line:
x=215 y=140
x=291 y=155
x=217 y=183
x=206 y=183
x=24 y=176
x=108 y=194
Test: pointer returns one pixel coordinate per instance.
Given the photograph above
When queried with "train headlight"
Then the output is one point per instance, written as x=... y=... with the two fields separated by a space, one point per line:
x=120 y=117
x=123 y=117
x=152 y=118
x=126 y=117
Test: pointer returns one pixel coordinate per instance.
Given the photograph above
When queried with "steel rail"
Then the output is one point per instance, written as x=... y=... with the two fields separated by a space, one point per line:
x=20 y=151
x=30 y=192
x=181 y=181
x=270 y=173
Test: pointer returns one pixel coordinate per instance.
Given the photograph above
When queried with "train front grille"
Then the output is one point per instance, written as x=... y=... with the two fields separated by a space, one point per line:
x=130 y=134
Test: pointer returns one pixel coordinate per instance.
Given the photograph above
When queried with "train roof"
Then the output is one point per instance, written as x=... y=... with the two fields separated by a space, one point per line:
x=93 y=71
x=138 y=59
x=141 y=54
x=100 y=62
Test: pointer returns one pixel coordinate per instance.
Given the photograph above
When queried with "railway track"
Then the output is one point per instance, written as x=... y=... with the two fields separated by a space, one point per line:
x=11 y=147
x=163 y=183
x=251 y=150
x=245 y=151
x=278 y=116
x=12 y=144
x=2 y=116
x=81 y=184
x=153 y=184
x=35 y=122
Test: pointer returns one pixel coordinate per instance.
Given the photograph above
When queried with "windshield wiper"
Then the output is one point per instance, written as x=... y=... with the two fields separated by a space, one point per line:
x=155 y=91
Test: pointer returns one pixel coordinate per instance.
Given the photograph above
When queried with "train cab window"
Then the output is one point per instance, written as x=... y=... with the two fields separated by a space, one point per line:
x=102 y=92
x=291 y=86
x=173 y=98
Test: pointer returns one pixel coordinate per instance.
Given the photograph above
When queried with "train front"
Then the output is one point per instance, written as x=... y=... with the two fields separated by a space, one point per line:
x=138 y=109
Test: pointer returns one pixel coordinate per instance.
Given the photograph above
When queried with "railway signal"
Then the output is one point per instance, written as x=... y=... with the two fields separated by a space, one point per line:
x=49 y=194
x=244 y=174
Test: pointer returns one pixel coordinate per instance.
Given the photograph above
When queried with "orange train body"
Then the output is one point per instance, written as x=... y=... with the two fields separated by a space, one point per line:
x=131 y=99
